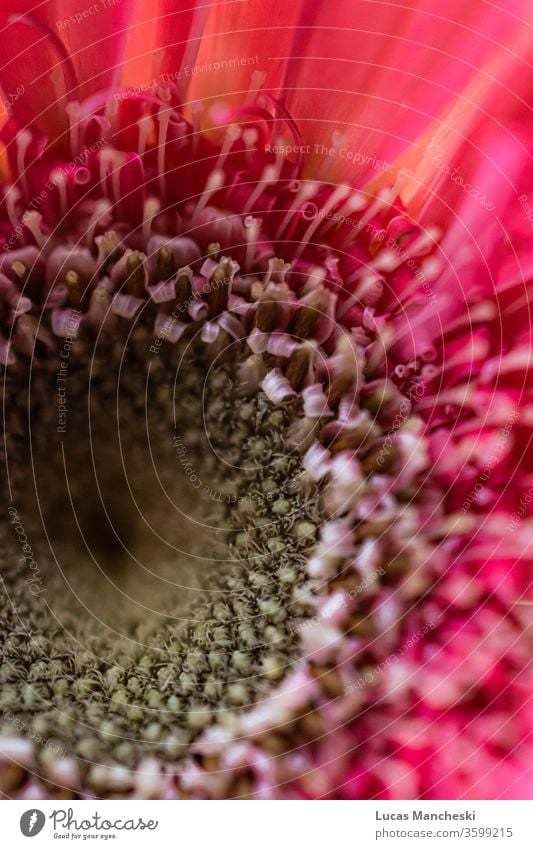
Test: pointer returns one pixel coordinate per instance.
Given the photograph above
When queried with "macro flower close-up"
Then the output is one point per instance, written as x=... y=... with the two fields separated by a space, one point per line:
x=265 y=355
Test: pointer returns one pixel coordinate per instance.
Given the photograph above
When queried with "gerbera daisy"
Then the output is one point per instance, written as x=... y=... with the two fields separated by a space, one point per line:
x=265 y=345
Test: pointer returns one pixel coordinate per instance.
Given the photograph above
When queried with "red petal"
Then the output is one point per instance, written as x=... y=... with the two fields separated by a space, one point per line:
x=59 y=50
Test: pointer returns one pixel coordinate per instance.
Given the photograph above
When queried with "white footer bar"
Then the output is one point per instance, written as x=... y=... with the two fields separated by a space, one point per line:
x=269 y=825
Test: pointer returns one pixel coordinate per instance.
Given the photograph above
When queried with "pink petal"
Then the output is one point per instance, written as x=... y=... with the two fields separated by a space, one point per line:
x=317 y=461
x=210 y=332
x=231 y=325
x=366 y=79
x=276 y=387
x=162 y=39
x=65 y=323
x=240 y=49
x=126 y=305
x=162 y=292
x=315 y=401
x=169 y=329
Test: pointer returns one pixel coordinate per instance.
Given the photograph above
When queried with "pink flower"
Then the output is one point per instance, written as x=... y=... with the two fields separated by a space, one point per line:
x=265 y=338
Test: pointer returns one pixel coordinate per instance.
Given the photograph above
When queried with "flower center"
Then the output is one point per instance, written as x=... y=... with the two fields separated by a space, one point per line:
x=173 y=532
x=212 y=461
